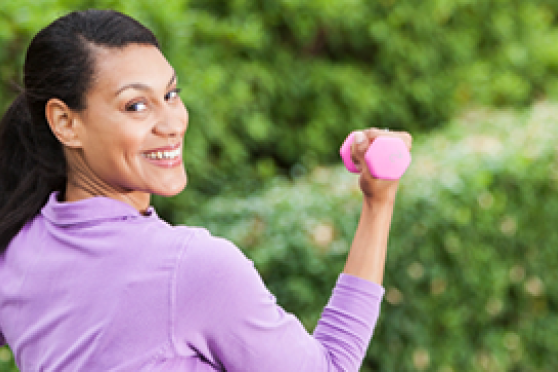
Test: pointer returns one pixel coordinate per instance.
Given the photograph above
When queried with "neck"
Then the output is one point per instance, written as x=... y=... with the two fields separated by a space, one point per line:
x=83 y=184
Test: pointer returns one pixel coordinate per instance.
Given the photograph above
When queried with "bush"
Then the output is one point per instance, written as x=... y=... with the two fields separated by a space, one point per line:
x=471 y=281
x=274 y=87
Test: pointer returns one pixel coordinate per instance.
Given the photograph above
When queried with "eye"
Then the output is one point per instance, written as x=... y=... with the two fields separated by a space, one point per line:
x=172 y=94
x=136 y=106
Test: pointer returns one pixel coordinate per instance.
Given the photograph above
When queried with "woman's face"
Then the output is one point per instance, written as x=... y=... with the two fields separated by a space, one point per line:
x=133 y=126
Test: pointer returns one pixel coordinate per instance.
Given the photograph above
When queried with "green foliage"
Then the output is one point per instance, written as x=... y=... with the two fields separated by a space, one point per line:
x=6 y=360
x=273 y=87
x=471 y=283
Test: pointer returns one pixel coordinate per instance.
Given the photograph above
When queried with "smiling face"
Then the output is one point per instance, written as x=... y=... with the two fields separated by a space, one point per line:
x=128 y=140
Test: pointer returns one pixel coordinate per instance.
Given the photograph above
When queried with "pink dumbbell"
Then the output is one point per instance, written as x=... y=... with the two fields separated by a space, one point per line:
x=386 y=158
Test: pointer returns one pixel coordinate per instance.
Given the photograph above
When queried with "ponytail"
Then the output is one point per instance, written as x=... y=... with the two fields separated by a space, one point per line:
x=32 y=165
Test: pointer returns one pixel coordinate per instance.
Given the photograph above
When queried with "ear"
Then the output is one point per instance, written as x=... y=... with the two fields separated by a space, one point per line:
x=62 y=121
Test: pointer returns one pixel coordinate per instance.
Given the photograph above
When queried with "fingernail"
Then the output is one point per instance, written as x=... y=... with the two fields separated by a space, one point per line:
x=359 y=137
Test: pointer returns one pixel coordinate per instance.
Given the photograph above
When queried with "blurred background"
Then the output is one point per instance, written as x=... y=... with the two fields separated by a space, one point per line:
x=274 y=87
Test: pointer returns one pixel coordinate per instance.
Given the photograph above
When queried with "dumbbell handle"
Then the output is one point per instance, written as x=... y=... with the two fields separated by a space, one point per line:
x=386 y=158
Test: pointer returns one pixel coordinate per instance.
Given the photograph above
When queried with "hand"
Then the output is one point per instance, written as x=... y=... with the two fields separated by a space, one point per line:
x=372 y=188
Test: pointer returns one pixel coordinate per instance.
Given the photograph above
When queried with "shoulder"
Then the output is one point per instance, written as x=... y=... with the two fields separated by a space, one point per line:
x=152 y=232
x=216 y=265
x=211 y=253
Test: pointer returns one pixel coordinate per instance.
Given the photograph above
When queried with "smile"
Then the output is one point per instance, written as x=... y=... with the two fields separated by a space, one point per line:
x=172 y=154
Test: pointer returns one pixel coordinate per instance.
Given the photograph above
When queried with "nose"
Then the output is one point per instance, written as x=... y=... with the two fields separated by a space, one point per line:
x=172 y=122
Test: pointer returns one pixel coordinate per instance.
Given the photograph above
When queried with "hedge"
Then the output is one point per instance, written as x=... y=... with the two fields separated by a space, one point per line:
x=273 y=86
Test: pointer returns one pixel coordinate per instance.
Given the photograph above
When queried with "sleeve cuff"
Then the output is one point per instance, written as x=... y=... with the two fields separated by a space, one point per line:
x=361 y=285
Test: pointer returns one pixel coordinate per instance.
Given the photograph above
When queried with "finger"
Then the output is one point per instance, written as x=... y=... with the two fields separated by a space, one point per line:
x=408 y=139
x=374 y=133
x=360 y=144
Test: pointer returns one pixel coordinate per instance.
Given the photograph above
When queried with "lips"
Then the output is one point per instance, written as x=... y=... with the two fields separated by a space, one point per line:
x=165 y=157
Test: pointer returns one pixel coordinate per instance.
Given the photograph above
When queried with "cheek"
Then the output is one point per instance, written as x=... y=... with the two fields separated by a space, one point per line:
x=113 y=147
x=111 y=140
x=131 y=141
x=129 y=148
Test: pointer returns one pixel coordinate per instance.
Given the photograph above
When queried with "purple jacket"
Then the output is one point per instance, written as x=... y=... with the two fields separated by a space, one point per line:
x=94 y=285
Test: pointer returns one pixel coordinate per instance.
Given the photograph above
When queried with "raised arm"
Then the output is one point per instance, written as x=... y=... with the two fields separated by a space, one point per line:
x=367 y=256
x=225 y=313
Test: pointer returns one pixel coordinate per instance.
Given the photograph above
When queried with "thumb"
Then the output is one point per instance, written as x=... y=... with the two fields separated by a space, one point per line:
x=358 y=149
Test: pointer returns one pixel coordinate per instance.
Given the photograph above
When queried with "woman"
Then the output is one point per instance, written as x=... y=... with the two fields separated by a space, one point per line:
x=92 y=280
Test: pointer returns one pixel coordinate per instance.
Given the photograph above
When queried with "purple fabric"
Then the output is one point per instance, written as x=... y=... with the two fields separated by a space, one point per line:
x=94 y=285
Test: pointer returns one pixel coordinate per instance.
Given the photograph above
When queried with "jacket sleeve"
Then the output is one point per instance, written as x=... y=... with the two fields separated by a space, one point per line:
x=222 y=303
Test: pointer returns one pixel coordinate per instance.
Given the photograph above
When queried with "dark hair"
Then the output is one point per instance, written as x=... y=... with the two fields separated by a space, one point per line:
x=59 y=64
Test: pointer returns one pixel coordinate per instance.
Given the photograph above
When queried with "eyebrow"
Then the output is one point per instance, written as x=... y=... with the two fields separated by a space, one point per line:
x=141 y=86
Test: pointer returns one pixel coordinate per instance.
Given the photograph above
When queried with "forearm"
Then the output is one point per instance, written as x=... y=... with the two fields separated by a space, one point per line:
x=367 y=255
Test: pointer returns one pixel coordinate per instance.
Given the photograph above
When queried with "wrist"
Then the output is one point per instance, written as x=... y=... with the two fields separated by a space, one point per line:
x=376 y=202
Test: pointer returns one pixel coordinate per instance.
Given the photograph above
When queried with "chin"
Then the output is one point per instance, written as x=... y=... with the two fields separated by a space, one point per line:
x=172 y=190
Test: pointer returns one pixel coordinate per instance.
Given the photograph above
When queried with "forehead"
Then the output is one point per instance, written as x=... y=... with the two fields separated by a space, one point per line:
x=135 y=63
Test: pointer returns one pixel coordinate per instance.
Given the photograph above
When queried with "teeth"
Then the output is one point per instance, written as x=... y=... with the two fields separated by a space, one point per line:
x=162 y=154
